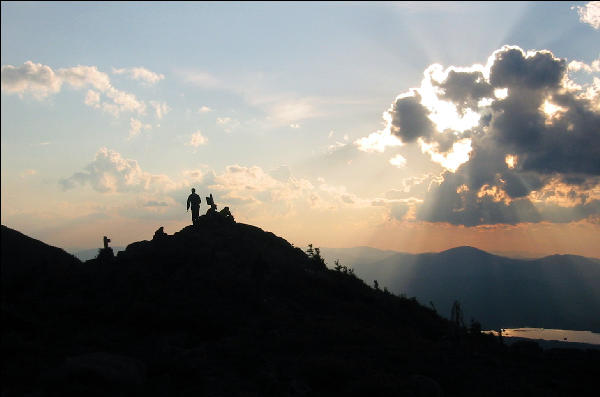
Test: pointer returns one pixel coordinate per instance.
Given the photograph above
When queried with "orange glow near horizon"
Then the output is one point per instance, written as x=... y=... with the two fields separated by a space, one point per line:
x=526 y=239
x=369 y=226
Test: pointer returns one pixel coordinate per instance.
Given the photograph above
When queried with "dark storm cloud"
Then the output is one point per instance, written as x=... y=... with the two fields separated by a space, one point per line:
x=513 y=69
x=409 y=119
x=570 y=143
x=466 y=88
x=447 y=203
x=547 y=148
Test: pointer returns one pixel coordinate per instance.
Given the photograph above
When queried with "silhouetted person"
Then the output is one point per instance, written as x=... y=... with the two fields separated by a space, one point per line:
x=106 y=253
x=226 y=214
x=213 y=207
x=194 y=201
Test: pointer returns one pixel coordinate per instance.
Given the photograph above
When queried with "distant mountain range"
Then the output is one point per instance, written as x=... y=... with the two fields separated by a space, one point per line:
x=558 y=291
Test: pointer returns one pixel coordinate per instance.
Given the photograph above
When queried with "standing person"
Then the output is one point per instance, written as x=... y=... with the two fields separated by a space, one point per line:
x=194 y=201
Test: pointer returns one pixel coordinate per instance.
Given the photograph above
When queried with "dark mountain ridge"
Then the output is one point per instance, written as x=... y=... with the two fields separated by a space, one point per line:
x=227 y=309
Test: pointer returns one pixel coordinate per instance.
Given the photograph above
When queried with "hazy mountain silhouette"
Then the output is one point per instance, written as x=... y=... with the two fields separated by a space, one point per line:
x=350 y=256
x=227 y=309
x=558 y=291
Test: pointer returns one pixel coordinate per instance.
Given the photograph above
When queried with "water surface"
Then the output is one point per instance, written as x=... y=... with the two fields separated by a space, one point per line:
x=551 y=334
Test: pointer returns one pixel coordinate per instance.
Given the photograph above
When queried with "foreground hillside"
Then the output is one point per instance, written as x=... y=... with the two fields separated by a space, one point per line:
x=558 y=291
x=226 y=309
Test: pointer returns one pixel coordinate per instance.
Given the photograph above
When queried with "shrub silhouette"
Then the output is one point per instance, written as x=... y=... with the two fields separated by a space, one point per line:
x=343 y=269
x=314 y=254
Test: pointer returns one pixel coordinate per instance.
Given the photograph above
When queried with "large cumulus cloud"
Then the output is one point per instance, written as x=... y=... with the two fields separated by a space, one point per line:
x=533 y=136
x=251 y=192
x=590 y=13
x=41 y=81
x=110 y=172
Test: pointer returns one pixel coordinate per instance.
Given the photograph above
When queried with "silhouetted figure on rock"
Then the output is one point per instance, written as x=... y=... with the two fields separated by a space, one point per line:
x=215 y=215
x=225 y=213
x=106 y=252
x=194 y=201
x=213 y=207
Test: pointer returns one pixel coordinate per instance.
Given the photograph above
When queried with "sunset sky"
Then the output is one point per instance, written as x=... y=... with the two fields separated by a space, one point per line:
x=410 y=126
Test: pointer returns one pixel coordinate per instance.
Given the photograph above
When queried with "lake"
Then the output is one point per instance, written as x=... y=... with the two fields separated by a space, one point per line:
x=551 y=334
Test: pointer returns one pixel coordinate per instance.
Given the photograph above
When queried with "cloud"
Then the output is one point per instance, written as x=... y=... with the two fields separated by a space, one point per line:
x=575 y=66
x=140 y=73
x=398 y=161
x=280 y=193
x=289 y=111
x=465 y=89
x=154 y=203
x=195 y=176
x=254 y=194
x=378 y=141
x=413 y=186
x=197 y=139
x=37 y=79
x=281 y=173
x=85 y=76
x=40 y=81
x=111 y=173
x=538 y=70
x=122 y=102
x=239 y=178
x=278 y=108
x=227 y=123
x=590 y=14
x=92 y=98
x=409 y=119
x=398 y=211
x=336 y=146
x=224 y=120
x=160 y=109
x=530 y=151
x=136 y=126
x=452 y=158
x=201 y=79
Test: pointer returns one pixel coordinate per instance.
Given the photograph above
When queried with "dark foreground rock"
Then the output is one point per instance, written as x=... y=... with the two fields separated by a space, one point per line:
x=227 y=309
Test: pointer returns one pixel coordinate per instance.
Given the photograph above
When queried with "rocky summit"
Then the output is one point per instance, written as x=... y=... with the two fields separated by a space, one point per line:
x=226 y=309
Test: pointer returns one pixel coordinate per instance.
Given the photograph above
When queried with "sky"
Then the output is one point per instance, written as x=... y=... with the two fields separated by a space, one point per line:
x=410 y=126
